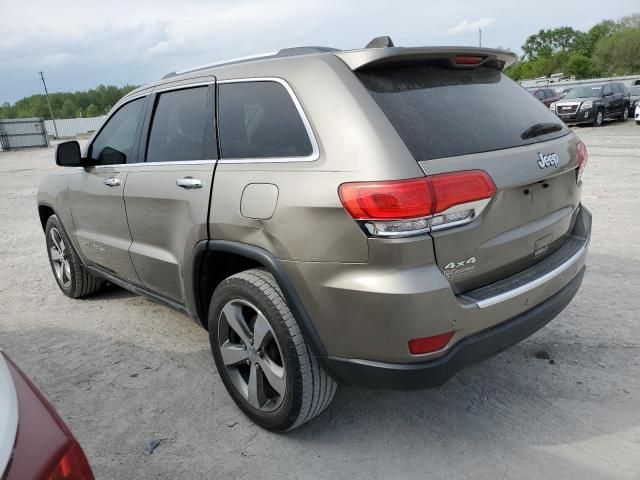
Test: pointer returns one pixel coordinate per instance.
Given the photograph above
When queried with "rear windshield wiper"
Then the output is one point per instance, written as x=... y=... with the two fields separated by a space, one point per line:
x=540 y=129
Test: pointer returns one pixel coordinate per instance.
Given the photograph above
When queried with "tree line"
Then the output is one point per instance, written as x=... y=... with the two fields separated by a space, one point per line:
x=606 y=49
x=92 y=103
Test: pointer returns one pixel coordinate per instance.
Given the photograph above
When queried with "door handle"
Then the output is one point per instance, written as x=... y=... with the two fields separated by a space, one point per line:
x=112 y=182
x=189 y=183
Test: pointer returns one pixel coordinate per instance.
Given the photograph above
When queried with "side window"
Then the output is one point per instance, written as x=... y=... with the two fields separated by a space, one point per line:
x=550 y=93
x=539 y=94
x=607 y=90
x=259 y=120
x=179 y=126
x=114 y=143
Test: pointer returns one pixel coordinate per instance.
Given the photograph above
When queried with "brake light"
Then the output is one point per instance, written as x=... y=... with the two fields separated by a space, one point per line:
x=583 y=156
x=468 y=60
x=452 y=189
x=414 y=206
x=72 y=466
x=419 y=346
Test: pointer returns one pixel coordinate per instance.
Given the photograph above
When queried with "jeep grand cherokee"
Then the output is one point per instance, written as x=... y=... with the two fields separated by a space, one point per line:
x=379 y=217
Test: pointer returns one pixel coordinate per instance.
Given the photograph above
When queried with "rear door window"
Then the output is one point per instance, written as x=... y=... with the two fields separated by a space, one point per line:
x=441 y=112
x=259 y=119
x=182 y=126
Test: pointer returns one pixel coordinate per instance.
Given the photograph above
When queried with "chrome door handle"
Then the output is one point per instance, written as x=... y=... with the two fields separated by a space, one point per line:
x=189 y=183
x=112 y=182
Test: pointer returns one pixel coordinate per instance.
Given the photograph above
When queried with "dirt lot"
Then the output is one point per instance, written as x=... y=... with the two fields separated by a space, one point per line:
x=123 y=370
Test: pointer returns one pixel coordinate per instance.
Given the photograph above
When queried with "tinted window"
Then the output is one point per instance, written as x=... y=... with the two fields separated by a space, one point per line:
x=442 y=112
x=260 y=120
x=607 y=89
x=114 y=143
x=539 y=94
x=550 y=93
x=585 y=92
x=180 y=124
x=616 y=88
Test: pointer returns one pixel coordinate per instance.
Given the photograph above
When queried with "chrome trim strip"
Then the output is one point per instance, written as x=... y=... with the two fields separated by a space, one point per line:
x=183 y=86
x=534 y=283
x=315 y=150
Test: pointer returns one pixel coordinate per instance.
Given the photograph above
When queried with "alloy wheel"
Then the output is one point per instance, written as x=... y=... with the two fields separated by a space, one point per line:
x=252 y=355
x=59 y=255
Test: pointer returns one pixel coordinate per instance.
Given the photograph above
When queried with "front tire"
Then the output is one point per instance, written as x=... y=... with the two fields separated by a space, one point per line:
x=599 y=118
x=72 y=277
x=261 y=355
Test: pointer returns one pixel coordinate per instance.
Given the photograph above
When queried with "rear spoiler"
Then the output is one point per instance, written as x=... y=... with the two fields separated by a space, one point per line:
x=395 y=56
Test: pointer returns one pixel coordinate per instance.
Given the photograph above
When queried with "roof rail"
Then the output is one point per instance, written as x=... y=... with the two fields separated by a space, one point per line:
x=285 y=52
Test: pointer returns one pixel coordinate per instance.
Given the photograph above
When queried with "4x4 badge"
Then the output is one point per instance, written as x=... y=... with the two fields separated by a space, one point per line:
x=548 y=160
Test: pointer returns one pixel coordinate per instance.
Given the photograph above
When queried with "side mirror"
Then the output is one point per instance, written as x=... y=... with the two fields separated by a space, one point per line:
x=68 y=154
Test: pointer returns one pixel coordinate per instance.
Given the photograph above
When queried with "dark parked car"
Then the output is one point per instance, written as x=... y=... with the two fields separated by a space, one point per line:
x=594 y=103
x=545 y=95
x=34 y=441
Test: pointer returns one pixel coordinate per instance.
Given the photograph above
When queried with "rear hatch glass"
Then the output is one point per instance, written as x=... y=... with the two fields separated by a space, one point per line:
x=443 y=112
x=476 y=119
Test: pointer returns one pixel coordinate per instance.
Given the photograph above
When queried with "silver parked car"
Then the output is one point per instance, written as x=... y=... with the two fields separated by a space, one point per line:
x=380 y=217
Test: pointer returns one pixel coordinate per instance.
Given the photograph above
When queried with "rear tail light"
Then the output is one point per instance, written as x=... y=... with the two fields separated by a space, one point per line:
x=419 y=346
x=402 y=208
x=468 y=60
x=72 y=466
x=583 y=156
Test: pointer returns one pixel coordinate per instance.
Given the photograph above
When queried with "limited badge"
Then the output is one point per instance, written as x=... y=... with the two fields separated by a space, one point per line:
x=459 y=269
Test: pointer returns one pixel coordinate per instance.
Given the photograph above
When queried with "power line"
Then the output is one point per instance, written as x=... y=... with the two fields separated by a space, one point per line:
x=46 y=93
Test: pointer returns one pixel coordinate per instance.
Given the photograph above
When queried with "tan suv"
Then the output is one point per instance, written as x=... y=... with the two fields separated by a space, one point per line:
x=379 y=217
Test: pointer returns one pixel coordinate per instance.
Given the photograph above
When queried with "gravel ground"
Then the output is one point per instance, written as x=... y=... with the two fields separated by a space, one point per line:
x=124 y=371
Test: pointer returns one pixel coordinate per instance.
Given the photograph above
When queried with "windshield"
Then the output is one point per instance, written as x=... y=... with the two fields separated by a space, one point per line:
x=584 y=92
x=441 y=112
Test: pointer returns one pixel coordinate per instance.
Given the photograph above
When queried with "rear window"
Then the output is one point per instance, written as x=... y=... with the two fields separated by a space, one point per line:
x=180 y=126
x=441 y=112
x=259 y=120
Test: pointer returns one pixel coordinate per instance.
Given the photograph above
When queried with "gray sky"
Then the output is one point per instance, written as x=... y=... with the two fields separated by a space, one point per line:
x=80 y=44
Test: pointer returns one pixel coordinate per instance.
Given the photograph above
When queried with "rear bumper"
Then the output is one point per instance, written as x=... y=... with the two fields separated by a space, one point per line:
x=470 y=350
x=370 y=311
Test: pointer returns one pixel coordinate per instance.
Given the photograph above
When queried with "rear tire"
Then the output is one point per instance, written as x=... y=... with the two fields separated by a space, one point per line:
x=625 y=114
x=72 y=277
x=261 y=355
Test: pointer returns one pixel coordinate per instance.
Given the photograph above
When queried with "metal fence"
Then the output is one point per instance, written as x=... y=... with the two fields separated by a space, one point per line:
x=72 y=127
x=564 y=82
x=19 y=133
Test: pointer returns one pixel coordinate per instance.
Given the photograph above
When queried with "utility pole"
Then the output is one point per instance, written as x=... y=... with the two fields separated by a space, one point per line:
x=480 y=37
x=46 y=93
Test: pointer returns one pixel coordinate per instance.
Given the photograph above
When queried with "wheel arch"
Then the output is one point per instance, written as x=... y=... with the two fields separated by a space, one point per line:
x=44 y=212
x=215 y=260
